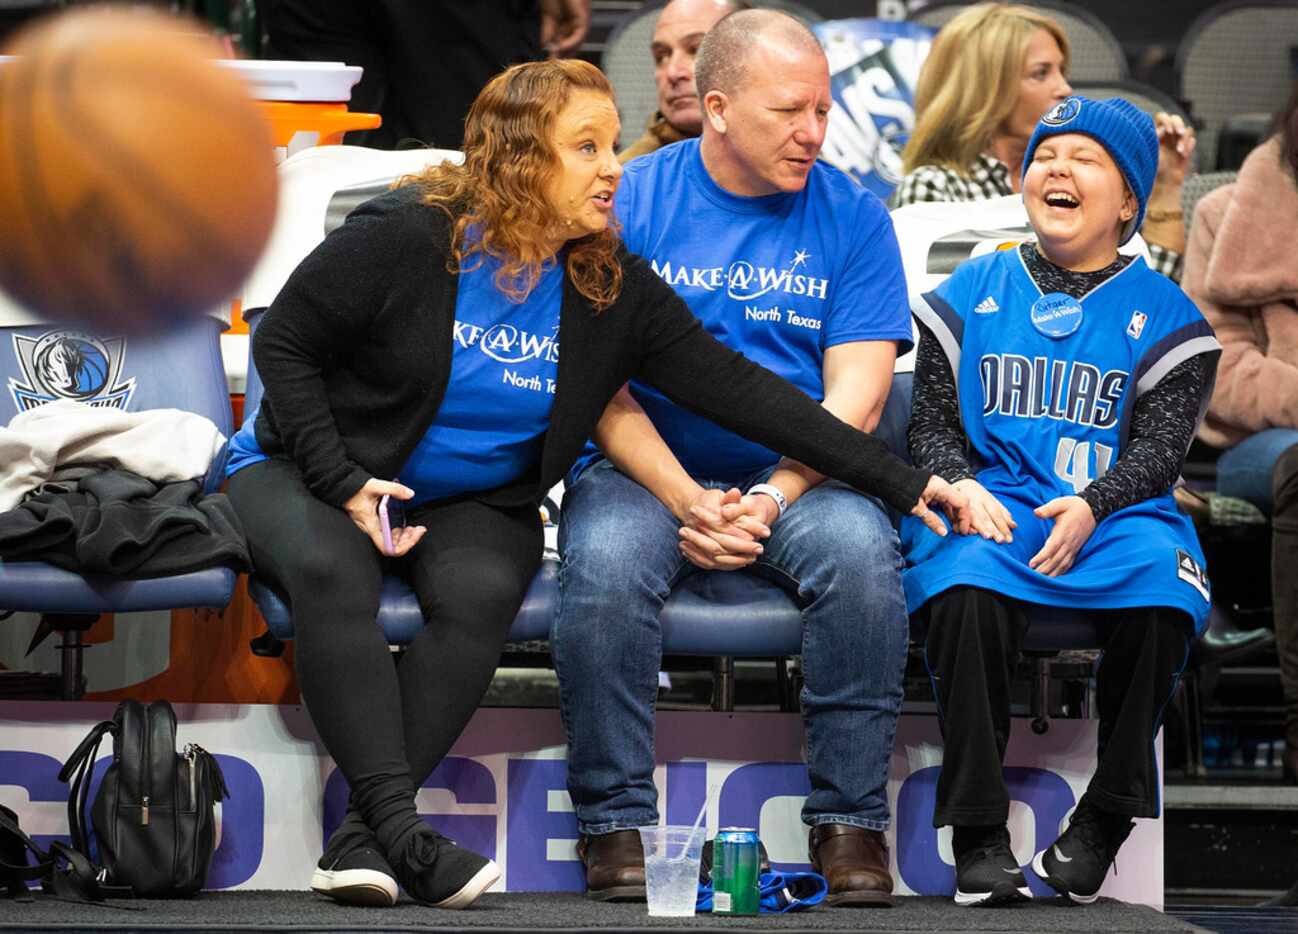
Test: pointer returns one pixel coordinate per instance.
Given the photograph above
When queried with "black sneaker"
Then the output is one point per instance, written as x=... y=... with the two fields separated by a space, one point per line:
x=354 y=872
x=1075 y=865
x=986 y=872
x=440 y=873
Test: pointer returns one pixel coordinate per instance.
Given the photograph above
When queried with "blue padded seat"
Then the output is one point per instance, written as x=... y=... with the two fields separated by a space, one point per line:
x=717 y=614
x=736 y=614
x=178 y=370
x=399 y=615
x=37 y=587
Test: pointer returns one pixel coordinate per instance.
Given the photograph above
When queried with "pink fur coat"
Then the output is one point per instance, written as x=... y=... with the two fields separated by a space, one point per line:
x=1241 y=269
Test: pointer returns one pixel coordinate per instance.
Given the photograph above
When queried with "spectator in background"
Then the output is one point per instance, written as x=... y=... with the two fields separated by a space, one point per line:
x=1241 y=269
x=564 y=24
x=425 y=60
x=679 y=31
x=992 y=72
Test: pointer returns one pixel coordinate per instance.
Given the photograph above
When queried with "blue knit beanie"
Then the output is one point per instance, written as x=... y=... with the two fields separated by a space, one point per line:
x=1123 y=129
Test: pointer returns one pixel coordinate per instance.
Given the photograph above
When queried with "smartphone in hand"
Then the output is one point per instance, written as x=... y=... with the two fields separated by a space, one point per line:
x=391 y=516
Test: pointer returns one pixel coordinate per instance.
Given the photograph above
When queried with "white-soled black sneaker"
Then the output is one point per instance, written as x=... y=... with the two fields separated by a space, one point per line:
x=1076 y=864
x=986 y=872
x=439 y=872
x=359 y=876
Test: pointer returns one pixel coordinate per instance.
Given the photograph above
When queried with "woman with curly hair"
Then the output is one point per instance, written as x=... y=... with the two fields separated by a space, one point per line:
x=421 y=341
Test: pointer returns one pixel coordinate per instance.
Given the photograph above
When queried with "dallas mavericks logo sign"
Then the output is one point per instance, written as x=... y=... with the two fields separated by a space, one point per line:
x=874 y=67
x=70 y=365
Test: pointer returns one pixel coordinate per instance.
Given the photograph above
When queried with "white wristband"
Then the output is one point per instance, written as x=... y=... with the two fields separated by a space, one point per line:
x=773 y=492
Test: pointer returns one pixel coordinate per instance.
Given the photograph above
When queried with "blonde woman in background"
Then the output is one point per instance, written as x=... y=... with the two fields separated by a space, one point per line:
x=992 y=72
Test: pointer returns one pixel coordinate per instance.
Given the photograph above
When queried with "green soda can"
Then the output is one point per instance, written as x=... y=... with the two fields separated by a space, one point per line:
x=734 y=872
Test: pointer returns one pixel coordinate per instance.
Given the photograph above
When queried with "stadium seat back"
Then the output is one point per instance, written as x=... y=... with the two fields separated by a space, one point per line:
x=1198 y=185
x=1096 y=52
x=46 y=362
x=1237 y=60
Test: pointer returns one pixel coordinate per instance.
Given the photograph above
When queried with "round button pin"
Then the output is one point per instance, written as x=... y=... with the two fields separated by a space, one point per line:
x=1056 y=314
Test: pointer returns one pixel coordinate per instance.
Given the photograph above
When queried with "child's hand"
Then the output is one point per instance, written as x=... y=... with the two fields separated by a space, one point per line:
x=1074 y=523
x=986 y=515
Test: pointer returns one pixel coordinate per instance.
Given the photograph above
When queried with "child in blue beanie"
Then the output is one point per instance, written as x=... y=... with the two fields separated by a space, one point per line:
x=1058 y=385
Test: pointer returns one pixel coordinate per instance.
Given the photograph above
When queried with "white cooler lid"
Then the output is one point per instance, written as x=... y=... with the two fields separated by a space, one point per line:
x=331 y=82
x=298 y=81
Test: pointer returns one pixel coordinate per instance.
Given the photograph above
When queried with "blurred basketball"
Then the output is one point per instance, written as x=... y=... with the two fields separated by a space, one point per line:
x=137 y=181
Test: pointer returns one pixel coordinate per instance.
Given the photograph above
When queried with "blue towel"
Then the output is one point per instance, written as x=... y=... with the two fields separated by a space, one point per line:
x=779 y=892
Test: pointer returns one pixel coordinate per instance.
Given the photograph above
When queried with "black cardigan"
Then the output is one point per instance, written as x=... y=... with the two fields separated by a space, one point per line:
x=355 y=351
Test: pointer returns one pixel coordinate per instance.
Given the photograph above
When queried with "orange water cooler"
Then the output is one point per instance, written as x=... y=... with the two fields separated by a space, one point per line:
x=305 y=104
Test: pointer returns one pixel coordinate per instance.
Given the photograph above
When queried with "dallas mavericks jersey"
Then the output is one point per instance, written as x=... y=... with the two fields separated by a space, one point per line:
x=1047 y=385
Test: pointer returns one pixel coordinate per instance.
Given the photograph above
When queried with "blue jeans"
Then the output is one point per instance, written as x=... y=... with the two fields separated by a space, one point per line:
x=834 y=549
x=1245 y=470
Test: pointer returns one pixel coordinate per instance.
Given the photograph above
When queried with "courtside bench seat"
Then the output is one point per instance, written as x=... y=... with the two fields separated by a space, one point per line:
x=734 y=614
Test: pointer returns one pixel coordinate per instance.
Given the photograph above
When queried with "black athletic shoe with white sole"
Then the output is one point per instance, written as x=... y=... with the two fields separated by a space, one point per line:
x=356 y=876
x=1075 y=865
x=438 y=872
x=986 y=872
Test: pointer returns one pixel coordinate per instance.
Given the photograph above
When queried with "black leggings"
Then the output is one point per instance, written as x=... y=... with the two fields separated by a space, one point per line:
x=388 y=726
x=973 y=642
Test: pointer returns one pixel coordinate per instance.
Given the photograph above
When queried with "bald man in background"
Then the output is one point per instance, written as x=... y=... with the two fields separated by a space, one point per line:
x=681 y=27
x=790 y=262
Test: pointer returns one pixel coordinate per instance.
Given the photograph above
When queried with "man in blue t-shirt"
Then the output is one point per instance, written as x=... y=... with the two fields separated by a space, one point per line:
x=790 y=262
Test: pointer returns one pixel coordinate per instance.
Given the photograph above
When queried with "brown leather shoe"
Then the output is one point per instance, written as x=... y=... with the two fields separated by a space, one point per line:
x=614 y=866
x=855 y=863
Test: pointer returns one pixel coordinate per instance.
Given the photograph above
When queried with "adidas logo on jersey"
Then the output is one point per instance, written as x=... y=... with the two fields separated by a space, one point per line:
x=987 y=306
x=1190 y=571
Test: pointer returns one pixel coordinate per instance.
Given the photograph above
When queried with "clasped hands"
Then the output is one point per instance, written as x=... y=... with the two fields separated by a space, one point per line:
x=723 y=530
x=988 y=517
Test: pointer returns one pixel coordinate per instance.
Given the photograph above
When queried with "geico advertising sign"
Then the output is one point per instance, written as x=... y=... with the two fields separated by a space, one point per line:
x=502 y=791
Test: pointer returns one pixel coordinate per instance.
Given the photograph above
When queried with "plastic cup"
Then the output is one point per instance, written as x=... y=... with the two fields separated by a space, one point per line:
x=671 y=869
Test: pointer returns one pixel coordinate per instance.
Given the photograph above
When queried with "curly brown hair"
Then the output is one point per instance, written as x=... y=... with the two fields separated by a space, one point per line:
x=509 y=156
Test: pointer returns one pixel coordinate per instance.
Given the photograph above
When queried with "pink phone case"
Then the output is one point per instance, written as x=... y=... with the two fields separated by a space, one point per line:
x=385 y=525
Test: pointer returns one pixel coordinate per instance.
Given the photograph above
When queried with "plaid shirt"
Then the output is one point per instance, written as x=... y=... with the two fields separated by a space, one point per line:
x=987 y=178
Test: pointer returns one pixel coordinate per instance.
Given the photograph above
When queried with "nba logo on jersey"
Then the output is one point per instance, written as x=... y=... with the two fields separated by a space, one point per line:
x=1137 y=324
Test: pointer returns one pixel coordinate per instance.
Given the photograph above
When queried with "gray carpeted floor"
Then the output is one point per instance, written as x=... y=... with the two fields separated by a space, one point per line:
x=303 y=911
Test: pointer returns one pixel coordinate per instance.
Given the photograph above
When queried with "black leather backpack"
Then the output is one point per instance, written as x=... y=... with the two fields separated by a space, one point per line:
x=16 y=870
x=153 y=817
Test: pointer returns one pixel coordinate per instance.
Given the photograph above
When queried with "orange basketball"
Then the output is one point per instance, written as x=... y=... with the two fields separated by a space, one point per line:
x=137 y=181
